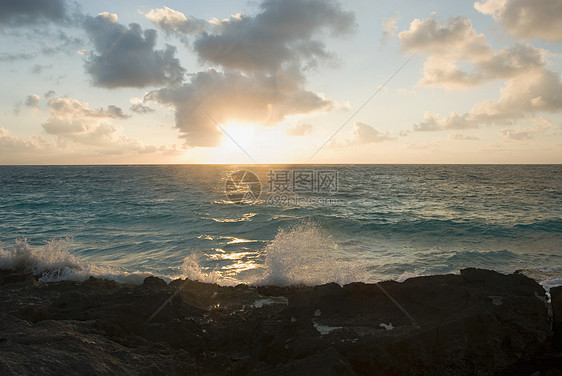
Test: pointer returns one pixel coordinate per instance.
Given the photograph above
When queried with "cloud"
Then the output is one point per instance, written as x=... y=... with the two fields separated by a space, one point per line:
x=25 y=12
x=528 y=19
x=456 y=36
x=37 y=68
x=529 y=86
x=233 y=96
x=455 y=41
x=125 y=57
x=70 y=119
x=526 y=133
x=74 y=122
x=364 y=134
x=11 y=57
x=389 y=26
x=260 y=65
x=173 y=21
x=462 y=137
x=49 y=94
x=433 y=122
x=67 y=44
x=32 y=100
x=140 y=108
x=300 y=130
x=281 y=34
x=15 y=144
x=538 y=91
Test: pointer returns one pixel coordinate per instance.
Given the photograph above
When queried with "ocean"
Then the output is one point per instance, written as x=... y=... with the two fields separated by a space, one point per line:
x=277 y=224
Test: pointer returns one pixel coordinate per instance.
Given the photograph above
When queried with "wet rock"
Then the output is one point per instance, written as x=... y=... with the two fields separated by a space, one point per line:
x=556 y=301
x=151 y=282
x=477 y=323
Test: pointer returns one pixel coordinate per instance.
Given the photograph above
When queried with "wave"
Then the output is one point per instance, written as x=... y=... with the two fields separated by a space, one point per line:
x=53 y=262
x=300 y=255
x=301 y=252
x=551 y=225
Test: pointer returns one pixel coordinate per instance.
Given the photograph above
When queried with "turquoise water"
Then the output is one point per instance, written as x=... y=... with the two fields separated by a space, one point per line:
x=374 y=222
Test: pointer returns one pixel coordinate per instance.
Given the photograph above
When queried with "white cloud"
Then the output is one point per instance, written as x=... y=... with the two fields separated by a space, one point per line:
x=389 y=25
x=173 y=21
x=300 y=129
x=529 y=86
x=456 y=37
x=462 y=137
x=72 y=121
x=364 y=134
x=9 y=143
x=539 y=126
x=455 y=41
x=528 y=19
x=434 y=122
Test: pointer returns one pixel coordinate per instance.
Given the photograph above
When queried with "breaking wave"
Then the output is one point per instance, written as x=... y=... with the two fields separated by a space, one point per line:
x=53 y=262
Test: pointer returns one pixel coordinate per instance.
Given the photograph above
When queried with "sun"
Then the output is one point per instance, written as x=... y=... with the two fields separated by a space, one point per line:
x=238 y=135
x=252 y=143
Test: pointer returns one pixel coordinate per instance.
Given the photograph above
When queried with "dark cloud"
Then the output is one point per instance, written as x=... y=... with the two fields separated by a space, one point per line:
x=140 y=108
x=125 y=57
x=67 y=44
x=282 y=33
x=24 y=12
x=32 y=100
x=38 y=68
x=233 y=96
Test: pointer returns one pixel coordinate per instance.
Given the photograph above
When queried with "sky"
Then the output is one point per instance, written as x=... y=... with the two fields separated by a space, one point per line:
x=280 y=81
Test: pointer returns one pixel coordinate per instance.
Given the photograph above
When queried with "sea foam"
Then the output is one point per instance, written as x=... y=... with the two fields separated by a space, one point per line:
x=53 y=262
x=304 y=254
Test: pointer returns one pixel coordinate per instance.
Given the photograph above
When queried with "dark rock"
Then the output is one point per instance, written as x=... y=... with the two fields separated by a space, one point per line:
x=477 y=323
x=556 y=301
x=154 y=283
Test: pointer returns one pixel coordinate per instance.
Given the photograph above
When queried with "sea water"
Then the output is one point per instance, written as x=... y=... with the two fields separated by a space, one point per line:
x=294 y=224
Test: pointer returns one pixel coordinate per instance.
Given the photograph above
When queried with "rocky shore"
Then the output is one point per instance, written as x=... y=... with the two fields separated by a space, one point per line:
x=477 y=323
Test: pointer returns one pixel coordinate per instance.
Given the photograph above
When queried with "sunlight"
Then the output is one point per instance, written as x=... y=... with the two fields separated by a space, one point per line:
x=240 y=133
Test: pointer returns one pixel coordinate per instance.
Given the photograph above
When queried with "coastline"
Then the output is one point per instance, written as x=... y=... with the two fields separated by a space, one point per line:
x=476 y=322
